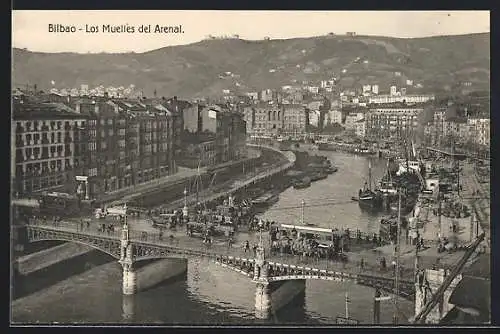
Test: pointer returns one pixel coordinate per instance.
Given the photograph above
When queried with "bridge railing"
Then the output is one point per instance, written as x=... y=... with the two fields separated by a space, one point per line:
x=354 y=265
x=77 y=227
x=195 y=246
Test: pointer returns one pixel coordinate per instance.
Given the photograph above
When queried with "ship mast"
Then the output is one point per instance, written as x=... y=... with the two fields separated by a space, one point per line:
x=198 y=180
x=396 y=277
x=370 y=175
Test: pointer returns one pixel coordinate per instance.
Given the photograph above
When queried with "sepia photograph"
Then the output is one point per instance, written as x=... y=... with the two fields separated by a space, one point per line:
x=250 y=168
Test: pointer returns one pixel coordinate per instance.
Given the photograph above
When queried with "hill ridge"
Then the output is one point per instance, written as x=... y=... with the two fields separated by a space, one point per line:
x=194 y=69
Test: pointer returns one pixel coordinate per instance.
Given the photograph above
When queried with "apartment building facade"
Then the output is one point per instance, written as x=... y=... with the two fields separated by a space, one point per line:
x=396 y=122
x=49 y=147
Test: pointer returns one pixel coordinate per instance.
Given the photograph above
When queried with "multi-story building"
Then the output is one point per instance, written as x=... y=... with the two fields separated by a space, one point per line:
x=314 y=116
x=409 y=98
x=225 y=128
x=480 y=130
x=351 y=120
x=191 y=117
x=199 y=150
x=295 y=118
x=375 y=89
x=176 y=107
x=393 y=90
x=392 y=122
x=333 y=116
x=254 y=96
x=266 y=95
x=264 y=118
x=360 y=128
x=129 y=143
x=48 y=147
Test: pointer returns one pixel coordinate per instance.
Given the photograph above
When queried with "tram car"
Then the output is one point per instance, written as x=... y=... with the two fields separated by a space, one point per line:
x=168 y=220
x=60 y=204
x=198 y=228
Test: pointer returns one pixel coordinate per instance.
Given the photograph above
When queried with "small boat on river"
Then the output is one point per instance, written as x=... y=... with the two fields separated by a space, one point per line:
x=331 y=170
x=316 y=176
x=367 y=198
x=302 y=183
x=266 y=199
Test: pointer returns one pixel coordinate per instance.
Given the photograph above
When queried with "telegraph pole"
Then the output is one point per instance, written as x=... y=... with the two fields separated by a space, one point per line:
x=439 y=217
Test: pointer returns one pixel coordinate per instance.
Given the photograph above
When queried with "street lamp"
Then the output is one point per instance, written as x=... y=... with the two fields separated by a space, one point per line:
x=185 y=209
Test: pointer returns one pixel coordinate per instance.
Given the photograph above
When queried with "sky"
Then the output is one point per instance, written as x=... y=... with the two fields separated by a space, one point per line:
x=30 y=29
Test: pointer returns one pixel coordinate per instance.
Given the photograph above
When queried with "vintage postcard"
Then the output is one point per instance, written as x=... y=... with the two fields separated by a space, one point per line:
x=223 y=168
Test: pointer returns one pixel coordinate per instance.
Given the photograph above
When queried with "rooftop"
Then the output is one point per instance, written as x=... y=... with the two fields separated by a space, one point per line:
x=35 y=110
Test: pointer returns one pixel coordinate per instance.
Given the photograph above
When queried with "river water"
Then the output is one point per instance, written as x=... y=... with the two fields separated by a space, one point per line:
x=212 y=295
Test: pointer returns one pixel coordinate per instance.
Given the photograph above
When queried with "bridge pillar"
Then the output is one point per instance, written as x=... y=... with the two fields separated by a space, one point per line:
x=262 y=300
x=262 y=295
x=129 y=279
x=128 y=307
x=427 y=283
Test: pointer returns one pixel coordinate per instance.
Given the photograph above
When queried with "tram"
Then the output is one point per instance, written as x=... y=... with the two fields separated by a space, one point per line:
x=56 y=203
x=324 y=236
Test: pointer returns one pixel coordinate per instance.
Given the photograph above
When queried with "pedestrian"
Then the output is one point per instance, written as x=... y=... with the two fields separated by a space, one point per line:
x=362 y=264
x=81 y=225
x=247 y=246
x=88 y=225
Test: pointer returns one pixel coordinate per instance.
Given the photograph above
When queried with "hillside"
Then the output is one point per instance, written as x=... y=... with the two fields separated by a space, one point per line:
x=195 y=69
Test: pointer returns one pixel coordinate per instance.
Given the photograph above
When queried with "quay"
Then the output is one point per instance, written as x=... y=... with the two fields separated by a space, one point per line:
x=135 y=242
x=183 y=175
x=261 y=174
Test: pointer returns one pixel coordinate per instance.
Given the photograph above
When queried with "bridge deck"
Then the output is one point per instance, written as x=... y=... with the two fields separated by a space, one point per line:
x=220 y=248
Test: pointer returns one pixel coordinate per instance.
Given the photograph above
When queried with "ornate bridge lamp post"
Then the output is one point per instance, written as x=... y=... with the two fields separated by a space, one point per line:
x=126 y=260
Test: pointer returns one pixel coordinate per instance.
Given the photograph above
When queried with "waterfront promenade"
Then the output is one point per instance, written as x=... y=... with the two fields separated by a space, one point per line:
x=127 y=194
x=229 y=187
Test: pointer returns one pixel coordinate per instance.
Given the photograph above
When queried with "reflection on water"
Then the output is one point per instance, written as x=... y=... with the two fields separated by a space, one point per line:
x=214 y=295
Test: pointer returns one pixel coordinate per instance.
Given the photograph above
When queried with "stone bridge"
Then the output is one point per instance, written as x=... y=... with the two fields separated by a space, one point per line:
x=130 y=247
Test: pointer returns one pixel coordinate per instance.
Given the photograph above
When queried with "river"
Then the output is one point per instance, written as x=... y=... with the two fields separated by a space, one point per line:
x=211 y=295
